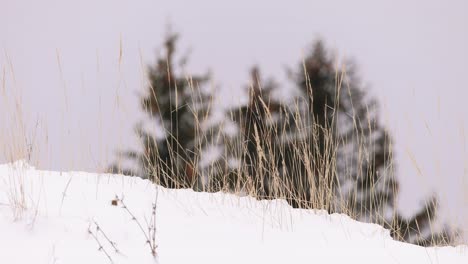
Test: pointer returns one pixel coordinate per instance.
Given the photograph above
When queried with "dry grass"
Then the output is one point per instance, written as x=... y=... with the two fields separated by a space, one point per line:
x=321 y=179
x=320 y=186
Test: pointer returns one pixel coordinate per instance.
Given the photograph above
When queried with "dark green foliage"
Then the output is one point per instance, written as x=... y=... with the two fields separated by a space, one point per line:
x=178 y=105
x=307 y=142
x=255 y=124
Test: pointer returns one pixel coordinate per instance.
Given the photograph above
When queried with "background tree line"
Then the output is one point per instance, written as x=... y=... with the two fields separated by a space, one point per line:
x=323 y=148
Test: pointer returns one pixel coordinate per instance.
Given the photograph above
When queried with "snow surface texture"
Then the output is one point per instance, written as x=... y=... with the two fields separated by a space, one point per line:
x=54 y=217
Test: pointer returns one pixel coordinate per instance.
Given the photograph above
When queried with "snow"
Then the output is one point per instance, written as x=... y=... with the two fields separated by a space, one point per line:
x=52 y=217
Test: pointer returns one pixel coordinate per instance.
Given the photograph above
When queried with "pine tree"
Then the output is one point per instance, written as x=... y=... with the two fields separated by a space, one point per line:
x=257 y=122
x=344 y=134
x=364 y=158
x=179 y=106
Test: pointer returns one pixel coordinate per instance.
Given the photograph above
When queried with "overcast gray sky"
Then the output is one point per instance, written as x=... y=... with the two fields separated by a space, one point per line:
x=61 y=62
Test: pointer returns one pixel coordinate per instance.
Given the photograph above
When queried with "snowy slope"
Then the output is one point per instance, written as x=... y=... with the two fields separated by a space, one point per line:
x=53 y=217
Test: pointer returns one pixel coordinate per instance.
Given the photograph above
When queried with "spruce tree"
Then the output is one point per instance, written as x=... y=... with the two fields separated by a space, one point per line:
x=178 y=105
x=257 y=122
x=364 y=166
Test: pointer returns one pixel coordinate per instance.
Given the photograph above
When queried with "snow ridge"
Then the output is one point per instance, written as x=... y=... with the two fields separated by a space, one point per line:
x=78 y=217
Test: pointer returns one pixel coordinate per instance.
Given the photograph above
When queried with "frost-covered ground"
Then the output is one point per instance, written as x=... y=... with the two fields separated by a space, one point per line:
x=53 y=217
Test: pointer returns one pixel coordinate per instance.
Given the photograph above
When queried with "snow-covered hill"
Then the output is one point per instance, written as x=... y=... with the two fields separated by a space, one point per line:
x=76 y=217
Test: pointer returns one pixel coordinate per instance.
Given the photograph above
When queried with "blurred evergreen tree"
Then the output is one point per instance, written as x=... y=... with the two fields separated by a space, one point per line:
x=342 y=112
x=179 y=106
x=257 y=123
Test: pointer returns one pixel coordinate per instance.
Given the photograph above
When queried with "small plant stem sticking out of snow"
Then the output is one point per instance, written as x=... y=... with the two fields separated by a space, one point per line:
x=150 y=234
x=112 y=243
x=101 y=248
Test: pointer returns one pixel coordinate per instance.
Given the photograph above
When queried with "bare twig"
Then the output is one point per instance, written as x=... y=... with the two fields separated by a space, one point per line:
x=112 y=243
x=64 y=193
x=153 y=227
x=150 y=235
x=101 y=248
